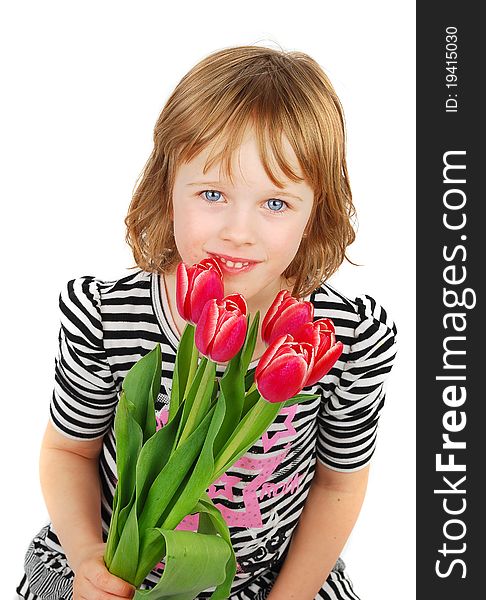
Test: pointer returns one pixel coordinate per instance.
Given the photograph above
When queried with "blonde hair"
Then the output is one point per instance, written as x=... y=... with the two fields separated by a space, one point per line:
x=277 y=92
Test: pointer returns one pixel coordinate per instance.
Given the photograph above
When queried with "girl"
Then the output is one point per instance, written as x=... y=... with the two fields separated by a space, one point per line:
x=248 y=167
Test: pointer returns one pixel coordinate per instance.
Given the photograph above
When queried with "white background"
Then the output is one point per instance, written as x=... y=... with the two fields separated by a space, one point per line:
x=83 y=84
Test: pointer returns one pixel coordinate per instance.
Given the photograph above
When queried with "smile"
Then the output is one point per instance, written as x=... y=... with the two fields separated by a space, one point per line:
x=230 y=263
x=230 y=266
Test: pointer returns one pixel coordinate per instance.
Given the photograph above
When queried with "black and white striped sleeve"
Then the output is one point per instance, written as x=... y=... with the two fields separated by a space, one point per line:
x=348 y=419
x=84 y=397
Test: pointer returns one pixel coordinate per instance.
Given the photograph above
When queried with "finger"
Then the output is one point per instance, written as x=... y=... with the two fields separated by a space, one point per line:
x=111 y=584
x=92 y=592
x=101 y=596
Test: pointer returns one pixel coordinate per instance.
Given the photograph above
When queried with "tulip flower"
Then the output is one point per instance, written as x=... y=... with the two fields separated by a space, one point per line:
x=320 y=334
x=221 y=328
x=285 y=316
x=284 y=369
x=196 y=285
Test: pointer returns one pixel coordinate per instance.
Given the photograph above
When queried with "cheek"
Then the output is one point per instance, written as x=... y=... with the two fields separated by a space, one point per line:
x=286 y=244
x=180 y=232
x=190 y=235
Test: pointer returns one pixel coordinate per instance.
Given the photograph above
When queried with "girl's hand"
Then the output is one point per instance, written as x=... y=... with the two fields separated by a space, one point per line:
x=93 y=581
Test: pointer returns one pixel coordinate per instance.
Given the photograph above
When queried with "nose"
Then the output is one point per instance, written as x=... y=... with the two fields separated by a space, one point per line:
x=239 y=227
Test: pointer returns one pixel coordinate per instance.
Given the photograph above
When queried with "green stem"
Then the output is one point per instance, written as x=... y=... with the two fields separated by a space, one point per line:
x=192 y=368
x=201 y=402
x=184 y=369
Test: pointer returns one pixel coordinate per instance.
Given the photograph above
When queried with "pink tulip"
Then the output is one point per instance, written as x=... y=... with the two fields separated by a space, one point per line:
x=196 y=285
x=285 y=316
x=284 y=368
x=320 y=334
x=221 y=328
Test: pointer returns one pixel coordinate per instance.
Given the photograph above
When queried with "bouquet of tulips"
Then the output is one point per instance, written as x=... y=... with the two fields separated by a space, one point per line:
x=164 y=474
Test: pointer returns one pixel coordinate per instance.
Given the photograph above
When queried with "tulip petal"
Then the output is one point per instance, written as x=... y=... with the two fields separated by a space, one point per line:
x=211 y=263
x=229 y=338
x=192 y=273
x=206 y=285
x=272 y=313
x=307 y=351
x=182 y=286
x=324 y=325
x=308 y=333
x=283 y=378
x=239 y=301
x=319 y=333
x=324 y=364
x=270 y=352
x=206 y=326
x=291 y=319
x=327 y=340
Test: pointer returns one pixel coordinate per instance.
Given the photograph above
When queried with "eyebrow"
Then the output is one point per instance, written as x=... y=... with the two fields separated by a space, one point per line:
x=270 y=191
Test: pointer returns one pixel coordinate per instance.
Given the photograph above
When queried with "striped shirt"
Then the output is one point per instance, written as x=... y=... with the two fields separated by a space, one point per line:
x=106 y=326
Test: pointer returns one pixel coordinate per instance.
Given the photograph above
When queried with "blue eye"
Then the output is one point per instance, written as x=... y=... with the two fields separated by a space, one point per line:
x=277 y=204
x=209 y=199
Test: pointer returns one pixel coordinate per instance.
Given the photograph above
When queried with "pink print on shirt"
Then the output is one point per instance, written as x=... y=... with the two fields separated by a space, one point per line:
x=289 y=429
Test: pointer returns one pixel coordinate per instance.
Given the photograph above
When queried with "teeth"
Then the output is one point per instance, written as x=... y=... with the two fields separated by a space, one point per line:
x=231 y=264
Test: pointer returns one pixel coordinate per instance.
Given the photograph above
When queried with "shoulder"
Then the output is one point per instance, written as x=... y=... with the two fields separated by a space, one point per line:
x=86 y=300
x=362 y=324
x=89 y=288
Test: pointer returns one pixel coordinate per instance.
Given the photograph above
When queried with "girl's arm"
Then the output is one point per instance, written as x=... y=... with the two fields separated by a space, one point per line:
x=71 y=487
x=329 y=515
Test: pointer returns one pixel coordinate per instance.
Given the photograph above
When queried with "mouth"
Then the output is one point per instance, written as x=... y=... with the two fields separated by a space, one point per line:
x=234 y=265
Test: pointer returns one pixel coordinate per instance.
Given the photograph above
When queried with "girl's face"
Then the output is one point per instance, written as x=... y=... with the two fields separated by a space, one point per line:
x=248 y=221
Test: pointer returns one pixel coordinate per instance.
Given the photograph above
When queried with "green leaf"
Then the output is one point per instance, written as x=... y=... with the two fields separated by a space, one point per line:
x=153 y=458
x=140 y=384
x=171 y=476
x=251 y=427
x=250 y=400
x=228 y=424
x=123 y=514
x=150 y=422
x=212 y=521
x=201 y=476
x=125 y=560
x=134 y=419
x=184 y=368
x=152 y=550
x=113 y=537
x=194 y=562
x=232 y=390
x=300 y=398
x=178 y=488
x=128 y=435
